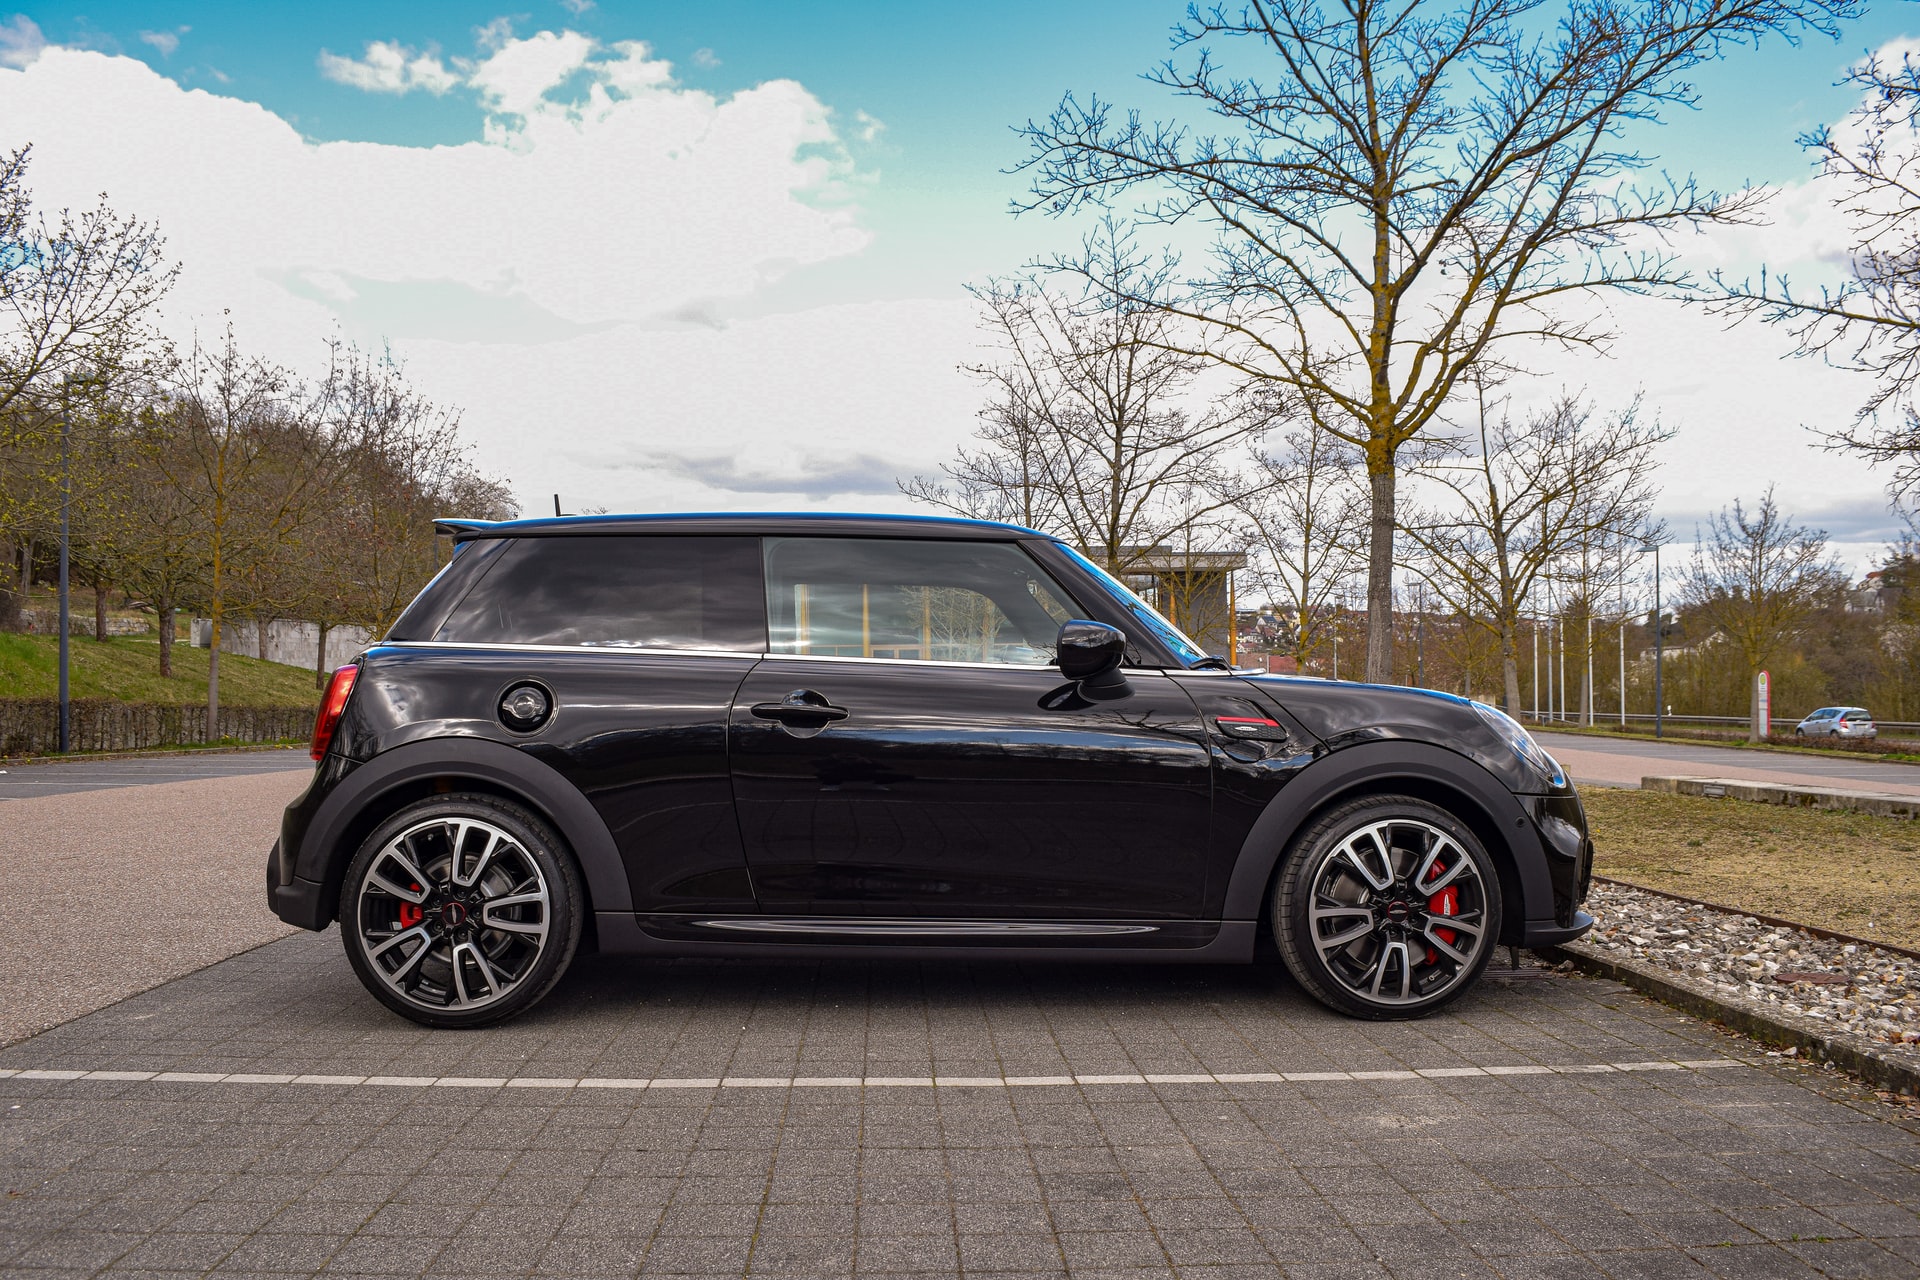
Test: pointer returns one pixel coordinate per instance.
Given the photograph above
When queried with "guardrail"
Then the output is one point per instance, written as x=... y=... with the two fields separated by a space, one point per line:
x=1898 y=728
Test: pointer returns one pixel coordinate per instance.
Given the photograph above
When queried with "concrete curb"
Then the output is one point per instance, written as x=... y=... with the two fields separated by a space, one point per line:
x=1885 y=804
x=1818 y=1043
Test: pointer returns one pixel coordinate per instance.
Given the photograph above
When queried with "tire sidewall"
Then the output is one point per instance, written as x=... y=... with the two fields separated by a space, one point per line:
x=1293 y=896
x=566 y=900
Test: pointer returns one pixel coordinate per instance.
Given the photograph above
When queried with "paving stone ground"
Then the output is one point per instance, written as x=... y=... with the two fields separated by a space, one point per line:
x=1750 y=1170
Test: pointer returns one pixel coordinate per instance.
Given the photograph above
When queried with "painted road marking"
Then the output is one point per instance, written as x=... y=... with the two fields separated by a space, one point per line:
x=850 y=1082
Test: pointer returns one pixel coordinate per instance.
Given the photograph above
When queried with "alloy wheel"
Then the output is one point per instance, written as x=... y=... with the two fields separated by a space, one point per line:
x=453 y=913
x=1398 y=913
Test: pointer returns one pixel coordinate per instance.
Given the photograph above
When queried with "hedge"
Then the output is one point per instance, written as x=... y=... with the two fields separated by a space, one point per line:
x=31 y=726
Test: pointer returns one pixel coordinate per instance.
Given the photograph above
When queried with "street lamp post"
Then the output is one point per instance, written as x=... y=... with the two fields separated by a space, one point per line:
x=66 y=503
x=1659 y=650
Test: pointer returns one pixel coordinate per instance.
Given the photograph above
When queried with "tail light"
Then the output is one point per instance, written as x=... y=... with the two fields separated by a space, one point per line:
x=339 y=689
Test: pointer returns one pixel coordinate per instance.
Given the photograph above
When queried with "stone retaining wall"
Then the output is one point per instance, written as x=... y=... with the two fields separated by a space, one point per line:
x=31 y=726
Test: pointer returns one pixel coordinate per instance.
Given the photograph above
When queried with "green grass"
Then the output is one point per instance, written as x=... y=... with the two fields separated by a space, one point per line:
x=128 y=669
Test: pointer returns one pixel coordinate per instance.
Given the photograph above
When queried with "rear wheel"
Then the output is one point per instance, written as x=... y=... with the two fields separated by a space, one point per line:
x=460 y=911
x=1387 y=907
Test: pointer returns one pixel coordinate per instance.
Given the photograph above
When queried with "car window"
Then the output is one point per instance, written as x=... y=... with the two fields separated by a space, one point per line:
x=618 y=591
x=927 y=601
x=1184 y=646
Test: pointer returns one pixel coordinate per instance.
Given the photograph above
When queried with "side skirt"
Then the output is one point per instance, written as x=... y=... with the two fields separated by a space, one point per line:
x=823 y=937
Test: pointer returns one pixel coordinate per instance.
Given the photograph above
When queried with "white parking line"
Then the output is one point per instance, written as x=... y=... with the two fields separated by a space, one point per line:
x=852 y=1082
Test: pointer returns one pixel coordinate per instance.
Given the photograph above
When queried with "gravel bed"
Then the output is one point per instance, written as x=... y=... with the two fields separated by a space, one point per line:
x=1868 y=992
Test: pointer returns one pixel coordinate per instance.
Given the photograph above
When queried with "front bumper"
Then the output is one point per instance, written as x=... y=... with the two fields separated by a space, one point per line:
x=1542 y=935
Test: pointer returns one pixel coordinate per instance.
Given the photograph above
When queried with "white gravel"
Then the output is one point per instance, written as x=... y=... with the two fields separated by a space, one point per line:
x=1877 y=999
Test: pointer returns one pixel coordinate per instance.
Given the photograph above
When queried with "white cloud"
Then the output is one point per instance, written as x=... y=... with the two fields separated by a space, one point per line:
x=576 y=7
x=517 y=77
x=388 y=67
x=20 y=41
x=165 y=41
x=583 y=282
x=705 y=59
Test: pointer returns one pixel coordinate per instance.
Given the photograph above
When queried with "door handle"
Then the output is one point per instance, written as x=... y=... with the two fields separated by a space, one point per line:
x=802 y=708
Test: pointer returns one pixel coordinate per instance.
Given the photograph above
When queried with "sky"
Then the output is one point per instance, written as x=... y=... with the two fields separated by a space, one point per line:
x=713 y=257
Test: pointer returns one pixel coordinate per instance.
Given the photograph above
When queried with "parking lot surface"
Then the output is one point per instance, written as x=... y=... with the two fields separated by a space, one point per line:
x=265 y=1116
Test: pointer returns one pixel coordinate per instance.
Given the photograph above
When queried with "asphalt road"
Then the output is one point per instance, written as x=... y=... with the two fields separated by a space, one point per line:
x=1624 y=761
x=59 y=777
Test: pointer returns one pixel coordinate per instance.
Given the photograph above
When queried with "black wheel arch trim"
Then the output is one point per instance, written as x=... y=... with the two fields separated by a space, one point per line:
x=1415 y=768
x=324 y=851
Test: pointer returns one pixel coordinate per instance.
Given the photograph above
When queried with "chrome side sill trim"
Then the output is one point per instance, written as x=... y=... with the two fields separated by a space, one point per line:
x=844 y=927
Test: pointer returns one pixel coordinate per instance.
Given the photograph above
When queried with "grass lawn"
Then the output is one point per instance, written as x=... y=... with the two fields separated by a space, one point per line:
x=1853 y=872
x=127 y=668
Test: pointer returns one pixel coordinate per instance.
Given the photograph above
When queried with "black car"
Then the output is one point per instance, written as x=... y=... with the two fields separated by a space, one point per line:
x=787 y=736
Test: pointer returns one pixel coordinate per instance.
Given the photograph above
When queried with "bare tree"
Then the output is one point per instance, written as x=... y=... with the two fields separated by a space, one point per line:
x=75 y=291
x=240 y=447
x=1418 y=189
x=1759 y=581
x=1307 y=511
x=1526 y=495
x=401 y=464
x=1090 y=430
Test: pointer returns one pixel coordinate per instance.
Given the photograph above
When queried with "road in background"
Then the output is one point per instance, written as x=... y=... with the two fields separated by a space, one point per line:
x=1622 y=762
x=59 y=777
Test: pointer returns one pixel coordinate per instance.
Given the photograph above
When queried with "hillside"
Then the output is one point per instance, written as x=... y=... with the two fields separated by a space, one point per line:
x=128 y=669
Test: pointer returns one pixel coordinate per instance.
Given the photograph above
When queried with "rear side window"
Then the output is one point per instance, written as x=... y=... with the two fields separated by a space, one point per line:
x=618 y=591
x=926 y=601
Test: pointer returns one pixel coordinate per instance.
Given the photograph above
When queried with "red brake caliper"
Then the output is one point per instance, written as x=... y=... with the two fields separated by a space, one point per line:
x=1444 y=903
x=411 y=914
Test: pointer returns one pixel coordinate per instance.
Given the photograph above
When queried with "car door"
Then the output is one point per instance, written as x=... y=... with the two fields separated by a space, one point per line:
x=904 y=750
x=640 y=642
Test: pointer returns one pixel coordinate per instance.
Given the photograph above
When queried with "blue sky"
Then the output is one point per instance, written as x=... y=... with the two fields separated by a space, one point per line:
x=946 y=81
x=728 y=293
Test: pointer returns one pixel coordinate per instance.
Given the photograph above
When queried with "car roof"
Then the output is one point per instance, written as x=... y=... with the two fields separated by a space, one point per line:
x=751 y=523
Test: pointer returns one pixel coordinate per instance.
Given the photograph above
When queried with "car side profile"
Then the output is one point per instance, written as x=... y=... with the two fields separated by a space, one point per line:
x=883 y=736
x=1837 y=722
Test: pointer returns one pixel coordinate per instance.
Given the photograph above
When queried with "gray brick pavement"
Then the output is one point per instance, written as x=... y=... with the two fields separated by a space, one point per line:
x=1754 y=1171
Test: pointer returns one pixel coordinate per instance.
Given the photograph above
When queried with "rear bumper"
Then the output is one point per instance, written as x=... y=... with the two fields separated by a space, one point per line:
x=301 y=903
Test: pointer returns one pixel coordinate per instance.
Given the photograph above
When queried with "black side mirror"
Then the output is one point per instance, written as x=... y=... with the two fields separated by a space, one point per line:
x=1090 y=653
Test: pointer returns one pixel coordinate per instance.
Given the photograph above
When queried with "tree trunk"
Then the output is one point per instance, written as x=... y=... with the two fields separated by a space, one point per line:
x=9 y=590
x=1380 y=577
x=213 y=672
x=165 y=618
x=260 y=637
x=100 y=613
x=1509 y=669
x=320 y=658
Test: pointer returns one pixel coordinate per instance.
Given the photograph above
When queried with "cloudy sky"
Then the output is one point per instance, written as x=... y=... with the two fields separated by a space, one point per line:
x=673 y=257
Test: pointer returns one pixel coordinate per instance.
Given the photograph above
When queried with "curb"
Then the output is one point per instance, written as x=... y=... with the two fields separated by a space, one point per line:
x=1814 y=1042
x=1885 y=804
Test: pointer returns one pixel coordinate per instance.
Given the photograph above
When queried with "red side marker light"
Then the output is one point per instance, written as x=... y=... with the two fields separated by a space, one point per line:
x=339 y=689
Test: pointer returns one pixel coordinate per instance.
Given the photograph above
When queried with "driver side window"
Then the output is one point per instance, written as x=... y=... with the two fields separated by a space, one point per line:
x=925 y=601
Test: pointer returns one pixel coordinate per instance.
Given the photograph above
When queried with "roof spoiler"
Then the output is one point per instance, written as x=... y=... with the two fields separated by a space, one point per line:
x=461 y=530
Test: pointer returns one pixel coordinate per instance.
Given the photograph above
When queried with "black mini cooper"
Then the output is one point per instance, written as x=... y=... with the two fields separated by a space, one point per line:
x=794 y=736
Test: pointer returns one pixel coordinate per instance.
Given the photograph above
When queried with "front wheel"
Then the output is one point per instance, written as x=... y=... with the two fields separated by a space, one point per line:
x=1387 y=907
x=461 y=910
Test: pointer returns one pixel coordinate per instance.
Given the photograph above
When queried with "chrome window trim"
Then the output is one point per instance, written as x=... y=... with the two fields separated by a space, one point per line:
x=568 y=648
x=605 y=650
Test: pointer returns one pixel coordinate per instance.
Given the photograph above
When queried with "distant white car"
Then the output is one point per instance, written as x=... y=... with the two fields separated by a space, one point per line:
x=1837 y=722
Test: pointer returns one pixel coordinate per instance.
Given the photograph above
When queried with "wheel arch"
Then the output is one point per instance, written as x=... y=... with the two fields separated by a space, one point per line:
x=378 y=789
x=1434 y=774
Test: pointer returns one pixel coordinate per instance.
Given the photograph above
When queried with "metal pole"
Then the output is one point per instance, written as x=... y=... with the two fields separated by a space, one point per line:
x=66 y=503
x=1536 y=671
x=1420 y=649
x=1623 y=670
x=1586 y=694
x=1659 y=651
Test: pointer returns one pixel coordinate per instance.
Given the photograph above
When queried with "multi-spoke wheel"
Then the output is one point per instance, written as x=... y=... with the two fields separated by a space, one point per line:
x=460 y=910
x=1387 y=907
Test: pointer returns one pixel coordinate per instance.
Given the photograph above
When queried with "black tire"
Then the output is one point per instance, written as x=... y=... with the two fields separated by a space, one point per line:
x=497 y=917
x=1333 y=872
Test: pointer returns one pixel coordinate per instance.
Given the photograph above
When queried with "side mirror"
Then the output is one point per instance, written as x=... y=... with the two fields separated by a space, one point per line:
x=1090 y=653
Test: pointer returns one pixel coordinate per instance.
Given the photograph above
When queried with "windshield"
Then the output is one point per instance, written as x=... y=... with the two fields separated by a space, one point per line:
x=1169 y=635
